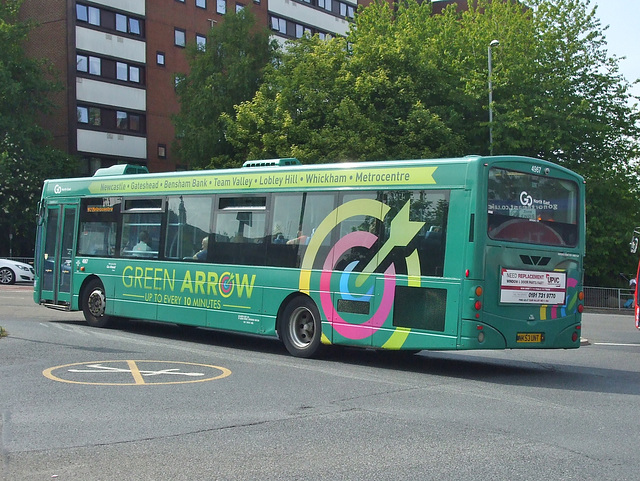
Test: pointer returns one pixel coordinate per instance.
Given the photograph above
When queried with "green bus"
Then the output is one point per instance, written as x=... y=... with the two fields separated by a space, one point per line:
x=462 y=253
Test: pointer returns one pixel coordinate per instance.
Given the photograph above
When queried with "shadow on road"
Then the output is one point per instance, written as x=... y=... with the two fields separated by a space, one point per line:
x=504 y=368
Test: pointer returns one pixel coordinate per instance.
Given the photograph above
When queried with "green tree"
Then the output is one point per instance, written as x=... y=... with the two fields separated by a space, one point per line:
x=224 y=73
x=355 y=98
x=25 y=160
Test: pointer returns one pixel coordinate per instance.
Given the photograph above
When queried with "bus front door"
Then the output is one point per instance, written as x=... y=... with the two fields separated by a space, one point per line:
x=57 y=255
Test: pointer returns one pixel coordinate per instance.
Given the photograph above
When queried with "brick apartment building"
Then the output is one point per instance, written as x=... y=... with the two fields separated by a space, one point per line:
x=117 y=62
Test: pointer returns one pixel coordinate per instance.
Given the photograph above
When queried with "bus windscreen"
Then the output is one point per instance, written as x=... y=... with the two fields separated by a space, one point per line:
x=535 y=209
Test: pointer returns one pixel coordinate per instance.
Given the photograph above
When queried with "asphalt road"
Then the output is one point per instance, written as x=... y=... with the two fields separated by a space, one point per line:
x=146 y=401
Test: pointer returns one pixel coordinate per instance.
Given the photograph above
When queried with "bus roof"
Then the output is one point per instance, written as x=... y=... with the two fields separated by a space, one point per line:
x=285 y=175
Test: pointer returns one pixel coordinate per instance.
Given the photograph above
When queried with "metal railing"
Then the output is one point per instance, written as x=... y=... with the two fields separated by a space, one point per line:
x=26 y=260
x=608 y=298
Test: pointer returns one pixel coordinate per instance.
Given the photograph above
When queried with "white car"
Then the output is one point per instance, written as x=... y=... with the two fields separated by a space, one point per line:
x=13 y=271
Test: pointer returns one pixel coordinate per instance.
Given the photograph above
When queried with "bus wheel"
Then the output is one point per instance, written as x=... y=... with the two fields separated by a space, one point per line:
x=301 y=328
x=93 y=304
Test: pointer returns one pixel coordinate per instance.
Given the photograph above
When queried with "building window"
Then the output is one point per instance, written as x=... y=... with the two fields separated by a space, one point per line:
x=127 y=73
x=134 y=26
x=239 y=7
x=279 y=25
x=110 y=69
x=95 y=66
x=201 y=3
x=121 y=71
x=122 y=122
x=346 y=10
x=95 y=116
x=111 y=120
x=162 y=151
x=134 y=74
x=121 y=23
x=88 y=14
x=180 y=37
x=201 y=42
x=89 y=115
x=134 y=122
x=160 y=58
x=82 y=13
x=82 y=63
x=94 y=16
x=326 y=4
x=221 y=6
x=126 y=24
x=109 y=20
x=83 y=115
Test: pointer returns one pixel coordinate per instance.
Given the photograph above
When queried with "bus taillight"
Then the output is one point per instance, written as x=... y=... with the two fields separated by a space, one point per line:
x=581 y=299
x=478 y=303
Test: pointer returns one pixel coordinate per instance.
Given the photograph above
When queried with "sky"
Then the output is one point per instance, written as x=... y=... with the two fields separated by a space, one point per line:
x=623 y=34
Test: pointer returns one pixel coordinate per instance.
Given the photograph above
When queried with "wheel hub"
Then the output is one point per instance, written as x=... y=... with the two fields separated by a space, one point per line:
x=302 y=329
x=97 y=303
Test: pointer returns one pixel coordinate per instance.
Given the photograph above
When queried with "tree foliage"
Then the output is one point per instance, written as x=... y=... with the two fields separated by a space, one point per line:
x=408 y=84
x=25 y=160
x=224 y=73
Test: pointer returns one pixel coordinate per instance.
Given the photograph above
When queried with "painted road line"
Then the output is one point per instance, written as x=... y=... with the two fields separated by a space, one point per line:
x=135 y=372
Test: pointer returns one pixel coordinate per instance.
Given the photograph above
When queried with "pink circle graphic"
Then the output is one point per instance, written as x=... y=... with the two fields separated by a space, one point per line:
x=226 y=284
x=366 y=329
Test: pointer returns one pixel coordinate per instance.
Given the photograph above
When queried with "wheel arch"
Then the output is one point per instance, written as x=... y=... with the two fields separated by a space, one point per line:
x=84 y=285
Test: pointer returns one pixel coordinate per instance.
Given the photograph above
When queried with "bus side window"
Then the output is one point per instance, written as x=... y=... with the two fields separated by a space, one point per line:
x=241 y=222
x=98 y=227
x=139 y=229
x=188 y=224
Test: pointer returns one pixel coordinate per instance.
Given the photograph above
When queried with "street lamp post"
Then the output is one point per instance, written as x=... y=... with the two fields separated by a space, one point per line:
x=494 y=43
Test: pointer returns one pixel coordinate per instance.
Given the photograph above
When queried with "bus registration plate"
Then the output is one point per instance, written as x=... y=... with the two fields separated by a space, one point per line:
x=529 y=337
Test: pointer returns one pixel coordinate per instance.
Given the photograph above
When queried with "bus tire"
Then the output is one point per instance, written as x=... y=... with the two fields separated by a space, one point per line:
x=94 y=302
x=301 y=327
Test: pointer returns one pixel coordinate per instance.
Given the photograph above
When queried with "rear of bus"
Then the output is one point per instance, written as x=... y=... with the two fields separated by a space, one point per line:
x=532 y=235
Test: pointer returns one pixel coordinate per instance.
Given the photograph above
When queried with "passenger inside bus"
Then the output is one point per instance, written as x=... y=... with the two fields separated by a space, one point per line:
x=143 y=244
x=201 y=255
x=300 y=239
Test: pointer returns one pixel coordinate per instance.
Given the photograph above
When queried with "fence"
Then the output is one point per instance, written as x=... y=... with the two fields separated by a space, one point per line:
x=608 y=298
x=25 y=260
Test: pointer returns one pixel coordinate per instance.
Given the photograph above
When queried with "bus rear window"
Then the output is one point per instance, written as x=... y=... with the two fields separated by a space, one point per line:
x=531 y=208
